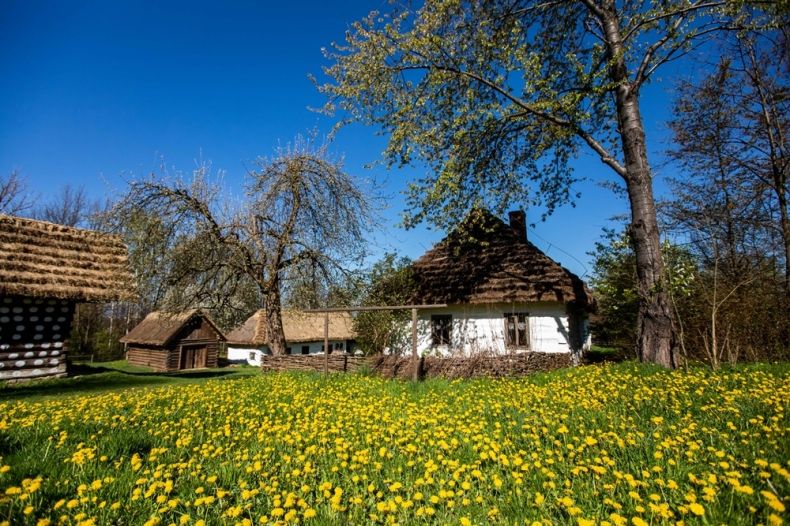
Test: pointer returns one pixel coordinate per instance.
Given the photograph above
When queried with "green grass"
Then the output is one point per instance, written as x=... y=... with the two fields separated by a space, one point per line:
x=598 y=353
x=98 y=377
x=620 y=443
x=119 y=365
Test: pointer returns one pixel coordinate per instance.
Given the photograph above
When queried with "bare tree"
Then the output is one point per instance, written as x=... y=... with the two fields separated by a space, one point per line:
x=731 y=141
x=14 y=197
x=300 y=207
x=717 y=340
x=70 y=207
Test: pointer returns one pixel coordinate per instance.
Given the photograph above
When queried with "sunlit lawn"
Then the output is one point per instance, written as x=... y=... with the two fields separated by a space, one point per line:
x=107 y=376
x=614 y=444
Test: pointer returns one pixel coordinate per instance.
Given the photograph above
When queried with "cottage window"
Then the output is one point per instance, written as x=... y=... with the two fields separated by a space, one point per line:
x=253 y=356
x=338 y=346
x=441 y=329
x=305 y=349
x=517 y=330
x=287 y=350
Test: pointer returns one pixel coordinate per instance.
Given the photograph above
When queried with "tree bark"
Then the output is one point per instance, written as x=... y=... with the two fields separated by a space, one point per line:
x=655 y=333
x=785 y=226
x=275 y=336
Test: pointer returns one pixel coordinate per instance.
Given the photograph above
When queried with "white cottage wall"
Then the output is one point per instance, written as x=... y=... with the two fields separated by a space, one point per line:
x=480 y=329
x=241 y=354
x=254 y=355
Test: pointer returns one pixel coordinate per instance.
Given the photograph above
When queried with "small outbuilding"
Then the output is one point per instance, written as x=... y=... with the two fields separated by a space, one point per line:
x=304 y=334
x=45 y=271
x=174 y=341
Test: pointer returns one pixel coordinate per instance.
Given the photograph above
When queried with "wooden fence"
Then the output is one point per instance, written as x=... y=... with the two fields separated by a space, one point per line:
x=403 y=366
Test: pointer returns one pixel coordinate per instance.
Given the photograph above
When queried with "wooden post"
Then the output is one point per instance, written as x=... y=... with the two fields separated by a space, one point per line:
x=326 y=343
x=414 y=358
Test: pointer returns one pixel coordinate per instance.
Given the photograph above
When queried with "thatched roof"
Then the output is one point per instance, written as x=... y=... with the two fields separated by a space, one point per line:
x=484 y=260
x=44 y=260
x=159 y=327
x=298 y=327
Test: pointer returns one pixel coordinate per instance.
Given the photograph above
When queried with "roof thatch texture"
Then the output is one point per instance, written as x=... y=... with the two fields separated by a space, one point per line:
x=44 y=260
x=159 y=327
x=484 y=261
x=298 y=327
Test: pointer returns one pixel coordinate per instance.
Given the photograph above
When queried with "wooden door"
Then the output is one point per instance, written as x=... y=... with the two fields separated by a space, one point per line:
x=200 y=357
x=193 y=357
x=187 y=357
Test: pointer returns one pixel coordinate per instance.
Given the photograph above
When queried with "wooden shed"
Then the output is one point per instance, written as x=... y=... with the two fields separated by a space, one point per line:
x=45 y=271
x=173 y=342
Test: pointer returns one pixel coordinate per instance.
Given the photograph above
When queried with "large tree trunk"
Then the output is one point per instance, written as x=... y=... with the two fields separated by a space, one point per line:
x=784 y=223
x=654 y=334
x=274 y=323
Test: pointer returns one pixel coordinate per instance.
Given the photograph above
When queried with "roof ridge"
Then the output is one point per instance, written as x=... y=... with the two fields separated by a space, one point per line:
x=57 y=226
x=482 y=260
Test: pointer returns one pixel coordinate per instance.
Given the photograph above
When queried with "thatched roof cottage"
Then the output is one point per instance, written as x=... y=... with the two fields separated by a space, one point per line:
x=304 y=334
x=503 y=294
x=174 y=341
x=45 y=270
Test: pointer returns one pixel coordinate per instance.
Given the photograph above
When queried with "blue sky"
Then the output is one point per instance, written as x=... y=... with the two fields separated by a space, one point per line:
x=93 y=92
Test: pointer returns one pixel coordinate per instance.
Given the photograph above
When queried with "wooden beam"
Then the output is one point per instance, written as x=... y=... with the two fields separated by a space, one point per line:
x=414 y=358
x=381 y=307
x=326 y=343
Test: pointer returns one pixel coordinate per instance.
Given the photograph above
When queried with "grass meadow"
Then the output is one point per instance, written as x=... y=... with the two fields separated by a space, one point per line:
x=613 y=444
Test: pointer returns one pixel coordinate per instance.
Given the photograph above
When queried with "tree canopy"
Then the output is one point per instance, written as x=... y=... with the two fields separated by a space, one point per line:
x=497 y=98
x=301 y=211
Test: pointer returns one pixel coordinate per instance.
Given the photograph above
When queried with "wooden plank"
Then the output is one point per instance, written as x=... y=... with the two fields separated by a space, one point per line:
x=156 y=359
x=212 y=356
x=28 y=353
x=326 y=342
x=379 y=307
x=33 y=337
x=414 y=357
x=39 y=372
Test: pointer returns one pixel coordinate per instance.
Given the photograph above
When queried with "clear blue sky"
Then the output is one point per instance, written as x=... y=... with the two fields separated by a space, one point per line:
x=93 y=91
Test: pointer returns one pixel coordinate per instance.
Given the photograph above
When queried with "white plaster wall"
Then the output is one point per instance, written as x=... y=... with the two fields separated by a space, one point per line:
x=240 y=354
x=253 y=356
x=480 y=329
x=317 y=347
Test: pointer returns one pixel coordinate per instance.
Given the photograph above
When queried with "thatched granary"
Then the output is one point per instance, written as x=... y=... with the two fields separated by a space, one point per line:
x=503 y=294
x=304 y=334
x=45 y=270
x=174 y=341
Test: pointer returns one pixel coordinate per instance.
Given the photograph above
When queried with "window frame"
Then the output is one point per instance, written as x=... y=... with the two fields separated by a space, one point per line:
x=517 y=344
x=445 y=337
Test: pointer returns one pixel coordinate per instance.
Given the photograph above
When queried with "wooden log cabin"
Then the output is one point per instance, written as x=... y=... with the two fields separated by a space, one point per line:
x=45 y=271
x=174 y=342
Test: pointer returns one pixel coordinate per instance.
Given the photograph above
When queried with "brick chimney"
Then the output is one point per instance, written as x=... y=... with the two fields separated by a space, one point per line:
x=518 y=222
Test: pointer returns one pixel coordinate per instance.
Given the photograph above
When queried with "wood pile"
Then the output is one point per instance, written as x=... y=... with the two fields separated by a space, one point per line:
x=336 y=363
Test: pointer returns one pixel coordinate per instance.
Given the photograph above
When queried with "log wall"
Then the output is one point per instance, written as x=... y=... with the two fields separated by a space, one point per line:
x=212 y=353
x=33 y=337
x=157 y=358
x=167 y=359
x=402 y=367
